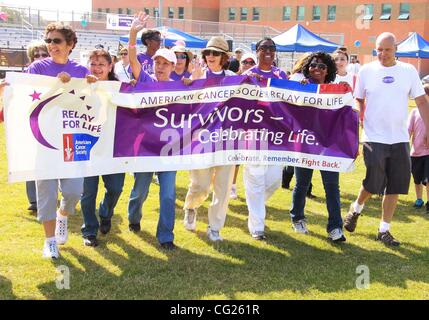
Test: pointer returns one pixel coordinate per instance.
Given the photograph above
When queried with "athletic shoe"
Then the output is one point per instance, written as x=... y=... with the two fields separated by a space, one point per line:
x=387 y=239
x=90 y=241
x=32 y=207
x=61 y=229
x=350 y=221
x=50 y=250
x=134 y=227
x=213 y=235
x=336 y=235
x=300 y=226
x=190 y=219
x=105 y=226
x=259 y=235
x=233 y=194
x=168 y=246
x=419 y=203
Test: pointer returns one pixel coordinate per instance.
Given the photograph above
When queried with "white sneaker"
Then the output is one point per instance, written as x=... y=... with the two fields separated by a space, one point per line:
x=190 y=220
x=336 y=235
x=213 y=235
x=233 y=194
x=50 y=250
x=300 y=226
x=61 y=229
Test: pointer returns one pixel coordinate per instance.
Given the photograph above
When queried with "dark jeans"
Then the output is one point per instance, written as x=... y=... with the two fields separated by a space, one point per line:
x=30 y=187
x=332 y=191
x=113 y=184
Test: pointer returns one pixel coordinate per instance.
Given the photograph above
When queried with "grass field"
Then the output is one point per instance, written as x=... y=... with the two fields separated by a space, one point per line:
x=286 y=266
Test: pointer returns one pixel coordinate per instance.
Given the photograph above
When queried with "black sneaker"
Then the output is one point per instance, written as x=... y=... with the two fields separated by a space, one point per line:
x=168 y=245
x=350 y=221
x=90 y=241
x=387 y=239
x=105 y=226
x=134 y=227
x=32 y=207
x=427 y=207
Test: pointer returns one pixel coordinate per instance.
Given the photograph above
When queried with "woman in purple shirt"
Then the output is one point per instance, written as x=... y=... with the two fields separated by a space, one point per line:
x=60 y=40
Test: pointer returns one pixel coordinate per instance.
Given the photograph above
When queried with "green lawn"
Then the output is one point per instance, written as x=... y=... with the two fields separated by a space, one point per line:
x=286 y=266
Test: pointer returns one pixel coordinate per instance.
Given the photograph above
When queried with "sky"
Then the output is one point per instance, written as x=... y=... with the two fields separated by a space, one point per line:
x=76 y=5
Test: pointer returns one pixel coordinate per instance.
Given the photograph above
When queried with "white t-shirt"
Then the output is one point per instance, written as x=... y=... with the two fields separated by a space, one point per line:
x=347 y=78
x=353 y=68
x=297 y=77
x=121 y=72
x=386 y=91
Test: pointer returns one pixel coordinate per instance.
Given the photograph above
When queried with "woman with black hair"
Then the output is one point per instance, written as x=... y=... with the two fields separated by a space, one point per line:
x=151 y=39
x=318 y=68
x=101 y=67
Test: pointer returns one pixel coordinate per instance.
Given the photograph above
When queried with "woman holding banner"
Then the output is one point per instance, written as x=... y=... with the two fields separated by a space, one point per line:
x=318 y=68
x=101 y=66
x=215 y=55
x=260 y=181
x=60 y=40
x=164 y=63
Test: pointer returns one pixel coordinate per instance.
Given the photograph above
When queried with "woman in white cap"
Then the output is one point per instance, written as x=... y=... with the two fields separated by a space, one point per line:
x=164 y=63
x=248 y=60
x=184 y=58
x=215 y=55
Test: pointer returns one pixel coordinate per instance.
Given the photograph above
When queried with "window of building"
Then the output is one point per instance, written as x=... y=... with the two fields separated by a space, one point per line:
x=231 y=14
x=243 y=14
x=287 y=12
x=107 y=10
x=181 y=13
x=256 y=14
x=120 y=11
x=146 y=10
x=300 y=13
x=170 y=12
x=129 y=11
x=386 y=11
x=99 y=13
x=404 y=11
x=332 y=13
x=316 y=13
x=369 y=12
x=156 y=12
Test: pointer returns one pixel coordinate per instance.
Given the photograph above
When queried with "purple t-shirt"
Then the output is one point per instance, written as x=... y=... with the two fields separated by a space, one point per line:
x=176 y=77
x=146 y=77
x=274 y=73
x=146 y=62
x=48 y=67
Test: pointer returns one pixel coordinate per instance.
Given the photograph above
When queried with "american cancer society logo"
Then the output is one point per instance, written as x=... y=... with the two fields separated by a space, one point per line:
x=77 y=146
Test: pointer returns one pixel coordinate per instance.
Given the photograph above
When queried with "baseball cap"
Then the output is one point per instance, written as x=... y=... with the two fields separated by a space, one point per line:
x=166 y=54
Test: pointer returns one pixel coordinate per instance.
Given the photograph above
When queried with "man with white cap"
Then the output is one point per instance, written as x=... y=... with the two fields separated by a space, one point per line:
x=164 y=62
x=234 y=64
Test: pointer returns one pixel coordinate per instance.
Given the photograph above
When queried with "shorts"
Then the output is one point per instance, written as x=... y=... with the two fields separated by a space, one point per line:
x=388 y=167
x=420 y=169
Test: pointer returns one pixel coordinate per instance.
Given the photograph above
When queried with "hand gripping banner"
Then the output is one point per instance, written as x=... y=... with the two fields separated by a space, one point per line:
x=57 y=130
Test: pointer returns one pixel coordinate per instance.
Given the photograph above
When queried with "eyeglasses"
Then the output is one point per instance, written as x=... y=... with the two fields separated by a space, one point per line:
x=155 y=39
x=54 y=40
x=251 y=62
x=38 y=55
x=181 y=55
x=320 y=66
x=212 y=52
x=271 y=48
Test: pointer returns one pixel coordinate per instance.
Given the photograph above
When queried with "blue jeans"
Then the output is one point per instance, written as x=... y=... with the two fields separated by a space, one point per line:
x=167 y=199
x=113 y=184
x=332 y=191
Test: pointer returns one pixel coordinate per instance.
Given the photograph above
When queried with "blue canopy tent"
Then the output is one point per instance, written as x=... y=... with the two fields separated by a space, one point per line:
x=299 y=39
x=170 y=36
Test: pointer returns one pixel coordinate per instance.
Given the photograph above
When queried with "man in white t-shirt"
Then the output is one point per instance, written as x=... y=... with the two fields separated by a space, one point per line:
x=383 y=88
x=122 y=67
x=354 y=66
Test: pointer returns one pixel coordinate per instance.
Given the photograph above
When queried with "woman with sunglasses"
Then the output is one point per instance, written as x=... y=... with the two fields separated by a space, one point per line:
x=60 y=40
x=151 y=39
x=122 y=67
x=260 y=181
x=164 y=63
x=215 y=55
x=319 y=68
x=101 y=67
x=36 y=51
x=248 y=60
x=184 y=58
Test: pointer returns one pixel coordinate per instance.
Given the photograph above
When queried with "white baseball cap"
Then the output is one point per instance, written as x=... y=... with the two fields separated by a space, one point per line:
x=247 y=56
x=166 y=54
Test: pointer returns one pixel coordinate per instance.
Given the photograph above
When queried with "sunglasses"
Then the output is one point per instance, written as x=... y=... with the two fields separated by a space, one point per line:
x=251 y=62
x=212 y=52
x=124 y=53
x=320 y=66
x=271 y=48
x=181 y=55
x=38 y=55
x=54 y=40
x=155 y=39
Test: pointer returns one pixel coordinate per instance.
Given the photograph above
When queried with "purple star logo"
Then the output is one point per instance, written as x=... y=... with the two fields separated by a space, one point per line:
x=35 y=95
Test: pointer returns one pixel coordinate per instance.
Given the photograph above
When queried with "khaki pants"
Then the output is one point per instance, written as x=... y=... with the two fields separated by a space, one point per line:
x=199 y=189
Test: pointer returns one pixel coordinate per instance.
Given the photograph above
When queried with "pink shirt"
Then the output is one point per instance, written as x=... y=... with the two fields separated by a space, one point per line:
x=417 y=130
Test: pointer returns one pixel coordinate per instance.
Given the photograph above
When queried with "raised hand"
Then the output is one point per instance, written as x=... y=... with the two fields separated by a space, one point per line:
x=197 y=70
x=139 y=22
x=64 y=77
x=91 y=78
